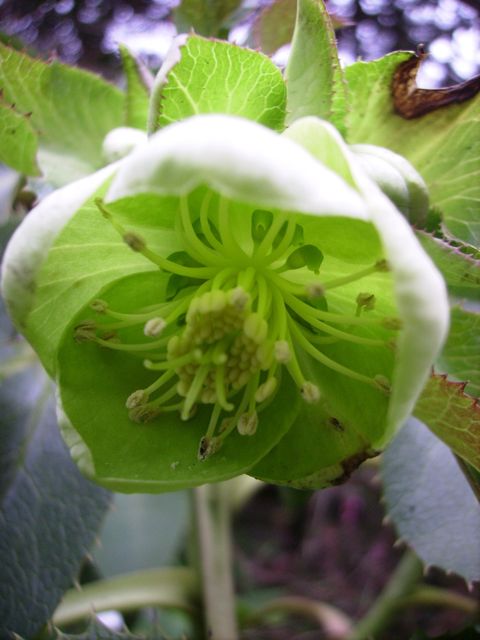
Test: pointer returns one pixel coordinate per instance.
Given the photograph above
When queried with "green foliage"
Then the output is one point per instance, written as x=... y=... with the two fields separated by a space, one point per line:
x=18 y=141
x=451 y=414
x=70 y=111
x=137 y=96
x=448 y=157
x=316 y=85
x=218 y=77
x=38 y=479
x=429 y=501
x=205 y=17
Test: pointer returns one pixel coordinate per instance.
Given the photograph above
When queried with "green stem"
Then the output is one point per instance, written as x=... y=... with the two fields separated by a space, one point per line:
x=335 y=624
x=174 y=587
x=437 y=597
x=211 y=516
x=401 y=584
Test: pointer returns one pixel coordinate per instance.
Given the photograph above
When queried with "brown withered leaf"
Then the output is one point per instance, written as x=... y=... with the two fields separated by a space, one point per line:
x=410 y=101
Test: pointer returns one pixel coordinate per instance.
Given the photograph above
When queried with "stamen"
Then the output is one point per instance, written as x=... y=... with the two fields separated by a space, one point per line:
x=154 y=327
x=195 y=247
x=310 y=392
x=325 y=360
x=138 y=244
x=380 y=266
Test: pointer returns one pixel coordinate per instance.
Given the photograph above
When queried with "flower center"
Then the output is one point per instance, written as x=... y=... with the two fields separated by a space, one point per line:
x=234 y=318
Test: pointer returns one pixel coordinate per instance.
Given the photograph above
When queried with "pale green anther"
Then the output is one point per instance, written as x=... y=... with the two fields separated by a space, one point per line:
x=238 y=298
x=282 y=352
x=154 y=327
x=266 y=390
x=310 y=392
x=247 y=424
x=255 y=328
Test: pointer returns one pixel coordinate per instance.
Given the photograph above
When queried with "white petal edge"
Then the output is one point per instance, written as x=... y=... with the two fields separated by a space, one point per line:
x=240 y=159
x=420 y=290
x=31 y=242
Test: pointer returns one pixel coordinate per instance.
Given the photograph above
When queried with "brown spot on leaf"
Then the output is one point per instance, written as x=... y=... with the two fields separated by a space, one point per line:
x=349 y=465
x=336 y=424
x=411 y=102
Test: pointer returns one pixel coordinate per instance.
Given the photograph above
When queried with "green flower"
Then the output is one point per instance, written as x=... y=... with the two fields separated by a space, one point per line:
x=233 y=301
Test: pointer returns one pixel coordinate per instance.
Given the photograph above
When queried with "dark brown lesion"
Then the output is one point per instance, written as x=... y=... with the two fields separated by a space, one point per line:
x=412 y=102
x=351 y=464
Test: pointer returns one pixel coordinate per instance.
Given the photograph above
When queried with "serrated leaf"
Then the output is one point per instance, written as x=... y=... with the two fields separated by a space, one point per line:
x=95 y=631
x=274 y=26
x=460 y=357
x=314 y=77
x=139 y=83
x=49 y=513
x=205 y=17
x=443 y=144
x=70 y=110
x=459 y=267
x=219 y=77
x=453 y=417
x=430 y=502
x=18 y=141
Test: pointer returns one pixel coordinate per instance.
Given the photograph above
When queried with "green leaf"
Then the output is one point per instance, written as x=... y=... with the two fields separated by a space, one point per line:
x=274 y=26
x=139 y=84
x=314 y=77
x=218 y=77
x=430 y=502
x=205 y=17
x=175 y=587
x=459 y=264
x=453 y=417
x=49 y=514
x=70 y=110
x=18 y=141
x=126 y=542
x=460 y=356
x=95 y=631
x=443 y=144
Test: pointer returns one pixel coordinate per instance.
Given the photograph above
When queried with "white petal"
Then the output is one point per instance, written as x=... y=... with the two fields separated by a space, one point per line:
x=420 y=291
x=241 y=160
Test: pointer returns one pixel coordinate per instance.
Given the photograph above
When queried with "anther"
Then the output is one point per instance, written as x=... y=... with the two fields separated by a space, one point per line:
x=238 y=298
x=310 y=392
x=136 y=243
x=154 y=327
x=282 y=352
x=315 y=290
x=207 y=447
x=255 y=328
x=85 y=331
x=392 y=323
x=382 y=265
x=266 y=389
x=365 y=301
x=247 y=424
x=136 y=399
x=99 y=306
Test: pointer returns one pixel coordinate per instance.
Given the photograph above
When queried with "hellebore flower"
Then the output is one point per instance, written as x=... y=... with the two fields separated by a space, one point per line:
x=233 y=301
